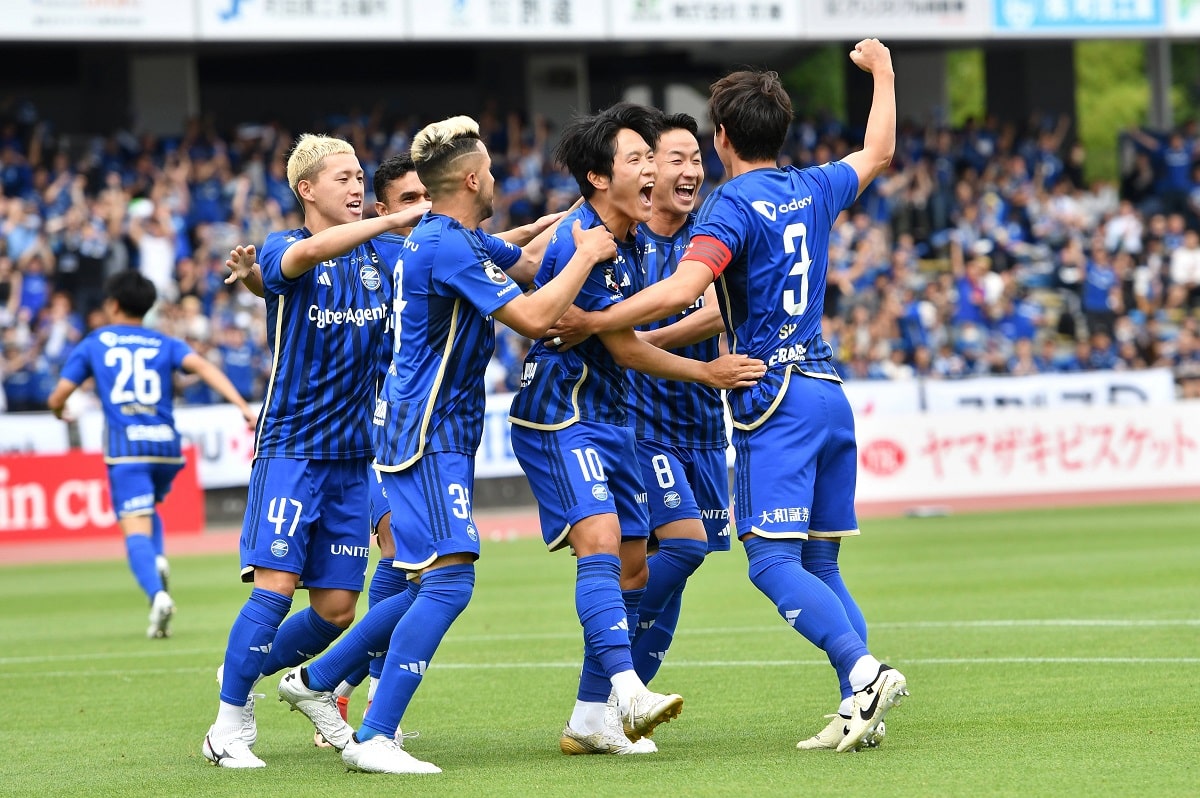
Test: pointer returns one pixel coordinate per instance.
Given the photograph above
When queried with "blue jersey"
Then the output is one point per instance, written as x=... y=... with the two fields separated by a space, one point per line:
x=325 y=330
x=447 y=284
x=775 y=224
x=390 y=248
x=133 y=367
x=686 y=414
x=583 y=383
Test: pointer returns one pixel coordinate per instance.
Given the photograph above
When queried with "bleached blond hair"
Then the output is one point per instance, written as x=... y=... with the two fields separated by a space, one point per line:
x=308 y=156
x=439 y=145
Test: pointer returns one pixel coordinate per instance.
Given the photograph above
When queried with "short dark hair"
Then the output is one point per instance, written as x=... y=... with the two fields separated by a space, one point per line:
x=393 y=168
x=755 y=111
x=680 y=122
x=589 y=143
x=133 y=292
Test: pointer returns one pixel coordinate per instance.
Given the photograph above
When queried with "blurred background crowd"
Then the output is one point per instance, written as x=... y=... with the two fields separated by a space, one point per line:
x=982 y=250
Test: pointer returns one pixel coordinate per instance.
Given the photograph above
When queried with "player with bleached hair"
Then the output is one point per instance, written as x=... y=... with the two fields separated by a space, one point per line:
x=763 y=238
x=328 y=312
x=449 y=284
x=133 y=368
x=571 y=438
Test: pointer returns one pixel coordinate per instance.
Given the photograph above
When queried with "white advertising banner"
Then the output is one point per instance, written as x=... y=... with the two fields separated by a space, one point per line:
x=94 y=20
x=872 y=397
x=897 y=19
x=349 y=21
x=33 y=433
x=1084 y=389
x=495 y=457
x=508 y=20
x=705 y=20
x=1183 y=17
x=220 y=437
x=927 y=458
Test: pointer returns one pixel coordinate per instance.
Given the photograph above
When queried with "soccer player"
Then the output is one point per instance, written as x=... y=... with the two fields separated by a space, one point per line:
x=428 y=424
x=133 y=367
x=329 y=311
x=763 y=236
x=570 y=434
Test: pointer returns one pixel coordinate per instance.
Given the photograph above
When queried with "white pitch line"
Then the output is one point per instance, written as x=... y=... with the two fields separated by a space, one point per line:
x=130 y=674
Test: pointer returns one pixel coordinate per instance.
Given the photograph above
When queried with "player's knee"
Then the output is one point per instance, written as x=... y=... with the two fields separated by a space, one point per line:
x=451 y=586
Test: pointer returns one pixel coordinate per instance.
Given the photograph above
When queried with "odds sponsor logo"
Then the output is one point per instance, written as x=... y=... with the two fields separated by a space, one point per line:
x=771 y=210
x=882 y=457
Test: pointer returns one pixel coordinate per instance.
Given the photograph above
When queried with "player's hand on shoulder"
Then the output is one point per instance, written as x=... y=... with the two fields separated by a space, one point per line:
x=735 y=371
x=240 y=263
x=871 y=55
x=596 y=242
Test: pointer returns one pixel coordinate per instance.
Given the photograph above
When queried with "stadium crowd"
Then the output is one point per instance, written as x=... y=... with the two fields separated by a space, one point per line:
x=982 y=251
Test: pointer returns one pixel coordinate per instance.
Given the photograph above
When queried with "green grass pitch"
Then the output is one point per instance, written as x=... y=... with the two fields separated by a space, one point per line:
x=1047 y=652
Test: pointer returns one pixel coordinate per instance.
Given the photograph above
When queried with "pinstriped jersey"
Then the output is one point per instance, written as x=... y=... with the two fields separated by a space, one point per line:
x=133 y=367
x=775 y=223
x=583 y=383
x=326 y=330
x=447 y=283
x=686 y=414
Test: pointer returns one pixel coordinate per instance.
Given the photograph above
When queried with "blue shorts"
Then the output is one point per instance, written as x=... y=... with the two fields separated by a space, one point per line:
x=308 y=517
x=379 y=502
x=433 y=496
x=687 y=483
x=794 y=475
x=136 y=487
x=583 y=470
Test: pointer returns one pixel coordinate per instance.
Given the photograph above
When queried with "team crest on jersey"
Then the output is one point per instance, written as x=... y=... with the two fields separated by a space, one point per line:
x=370 y=278
x=494 y=273
x=279 y=548
x=599 y=492
x=672 y=499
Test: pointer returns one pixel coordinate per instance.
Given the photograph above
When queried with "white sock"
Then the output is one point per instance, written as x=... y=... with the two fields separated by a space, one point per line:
x=344 y=689
x=229 y=718
x=846 y=708
x=371 y=689
x=587 y=717
x=626 y=685
x=864 y=672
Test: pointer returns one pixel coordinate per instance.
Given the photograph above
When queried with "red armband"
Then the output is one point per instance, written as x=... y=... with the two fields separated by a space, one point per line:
x=709 y=251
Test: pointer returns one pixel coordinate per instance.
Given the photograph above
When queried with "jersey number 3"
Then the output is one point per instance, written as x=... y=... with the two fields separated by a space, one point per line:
x=795 y=302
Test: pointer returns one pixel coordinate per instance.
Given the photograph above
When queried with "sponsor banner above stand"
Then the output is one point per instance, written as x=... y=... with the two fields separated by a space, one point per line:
x=28 y=433
x=296 y=20
x=1183 y=17
x=1084 y=18
x=508 y=20
x=1084 y=389
x=66 y=496
x=897 y=19
x=96 y=20
x=222 y=444
x=495 y=457
x=928 y=458
x=705 y=20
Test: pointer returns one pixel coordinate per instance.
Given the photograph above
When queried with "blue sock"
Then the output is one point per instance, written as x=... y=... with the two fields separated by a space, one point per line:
x=365 y=643
x=444 y=594
x=140 y=552
x=819 y=558
x=670 y=566
x=250 y=639
x=375 y=665
x=601 y=612
x=650 y=645
x=632 y=600
x=156 y=532
x=301 y=637
x=803 y=600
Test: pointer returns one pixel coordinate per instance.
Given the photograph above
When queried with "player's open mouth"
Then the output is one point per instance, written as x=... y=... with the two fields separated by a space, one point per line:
x=645 y=191
x=685 y=192
x=355 y=206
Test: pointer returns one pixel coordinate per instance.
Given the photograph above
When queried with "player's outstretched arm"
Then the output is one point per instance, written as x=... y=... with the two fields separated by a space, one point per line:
x=58 y=397
x=726 y=372
x=336 y=241
x=532 y=314
x=217 y=380
x=242 y=266
x=665 y=298
x=691 y=329
x=879 y=141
